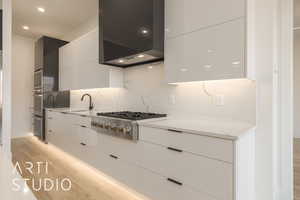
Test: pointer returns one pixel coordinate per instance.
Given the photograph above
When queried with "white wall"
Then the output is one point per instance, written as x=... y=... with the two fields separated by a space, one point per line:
x=297 y=84
x=7 y=77
x=22 y=85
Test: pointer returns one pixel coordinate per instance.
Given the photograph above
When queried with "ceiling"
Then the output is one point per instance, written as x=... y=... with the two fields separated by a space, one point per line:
x=60 y=17
x=63 y=16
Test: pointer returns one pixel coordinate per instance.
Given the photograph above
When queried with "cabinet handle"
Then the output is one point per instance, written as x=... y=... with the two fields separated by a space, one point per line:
x=50 y=118
x=174 y=181
x=50 y=131
x=174 y=149
x=83 y=126
x=83 y=144
x=113 y=156
x=64 y=113
x=83 y=116
x=172 y=130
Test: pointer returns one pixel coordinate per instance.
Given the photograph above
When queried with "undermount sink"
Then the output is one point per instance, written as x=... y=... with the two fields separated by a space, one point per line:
x=79 y=111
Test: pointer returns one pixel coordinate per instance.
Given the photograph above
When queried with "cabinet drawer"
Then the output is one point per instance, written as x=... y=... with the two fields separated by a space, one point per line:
x=158 y=187
x=204 y=174
x=86 y=136
x=52 y=115
x=128 y=150
x=147 y=183
x=202 y=145
x=82 y=120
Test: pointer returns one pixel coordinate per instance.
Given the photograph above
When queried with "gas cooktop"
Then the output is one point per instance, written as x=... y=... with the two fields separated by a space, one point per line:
x=135 y=116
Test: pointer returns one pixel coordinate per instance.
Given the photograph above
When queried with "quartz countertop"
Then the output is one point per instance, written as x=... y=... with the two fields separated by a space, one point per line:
x=87 y=113
x=7 y=176
x=221 y=128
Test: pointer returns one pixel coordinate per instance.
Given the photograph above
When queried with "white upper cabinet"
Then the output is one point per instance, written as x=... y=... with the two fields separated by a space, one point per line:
x=79 y=66
x=184 y=16
x=206 y=40
x=211 y=54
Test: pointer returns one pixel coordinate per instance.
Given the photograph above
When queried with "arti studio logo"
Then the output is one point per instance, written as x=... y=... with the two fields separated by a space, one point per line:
x=38 y=169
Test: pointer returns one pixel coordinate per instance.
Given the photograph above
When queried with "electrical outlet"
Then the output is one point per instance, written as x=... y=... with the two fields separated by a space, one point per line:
x=172 y=99
x=218 y=100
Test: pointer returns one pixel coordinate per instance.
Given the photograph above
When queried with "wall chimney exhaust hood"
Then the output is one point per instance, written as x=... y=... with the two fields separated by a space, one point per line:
x=131 y=32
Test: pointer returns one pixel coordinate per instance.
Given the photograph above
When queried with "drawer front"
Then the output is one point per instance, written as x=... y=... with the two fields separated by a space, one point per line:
x=82 y=120
x=206 y=146
x=52 y=115
x=119 y=170
x=128 y=150
x=202 y=173
x=162 y=188
x=86 y=136
x=145 y=182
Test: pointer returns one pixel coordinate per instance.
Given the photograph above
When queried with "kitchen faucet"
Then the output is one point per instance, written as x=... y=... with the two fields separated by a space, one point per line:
x=91 y=106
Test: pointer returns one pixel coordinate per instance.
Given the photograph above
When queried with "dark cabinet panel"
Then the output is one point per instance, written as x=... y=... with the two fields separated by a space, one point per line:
x=47 y=58
x=38 y=54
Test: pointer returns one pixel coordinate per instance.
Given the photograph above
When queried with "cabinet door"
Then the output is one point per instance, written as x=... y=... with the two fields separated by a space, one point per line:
x=67 y=68
x=80 y=68
x=185 y=16
x=39 y=54
x=211 y=54
x=89 y=73
x=53 y=128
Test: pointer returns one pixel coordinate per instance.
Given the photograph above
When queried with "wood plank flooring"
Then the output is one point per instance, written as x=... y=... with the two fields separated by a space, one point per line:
x=86 y=183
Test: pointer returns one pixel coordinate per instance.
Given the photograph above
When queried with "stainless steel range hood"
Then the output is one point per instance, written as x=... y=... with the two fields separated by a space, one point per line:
x=131 y=32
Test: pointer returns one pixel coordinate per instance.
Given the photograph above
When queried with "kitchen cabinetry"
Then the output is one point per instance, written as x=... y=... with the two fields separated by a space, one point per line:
x=162 y=164
x=206 y=44
x=79 y=67
x=46 y=58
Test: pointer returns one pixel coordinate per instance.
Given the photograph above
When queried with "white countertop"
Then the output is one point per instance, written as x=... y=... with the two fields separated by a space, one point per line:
x=92 y=113
x=6 y=182
x=221 y=128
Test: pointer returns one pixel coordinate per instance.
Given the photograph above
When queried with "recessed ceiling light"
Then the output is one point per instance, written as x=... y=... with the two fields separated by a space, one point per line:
x=26 y=27
x=141 y=56
x=121 y=61
x=183 y=69
x=207 y=66
x=40 y=9
x=150 y=67
x=236 y=62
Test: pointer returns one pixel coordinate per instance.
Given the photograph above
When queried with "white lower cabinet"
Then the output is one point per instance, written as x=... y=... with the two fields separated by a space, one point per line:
x=163 y=164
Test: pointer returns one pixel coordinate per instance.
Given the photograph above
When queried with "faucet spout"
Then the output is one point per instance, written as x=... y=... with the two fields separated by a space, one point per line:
x=91 y=105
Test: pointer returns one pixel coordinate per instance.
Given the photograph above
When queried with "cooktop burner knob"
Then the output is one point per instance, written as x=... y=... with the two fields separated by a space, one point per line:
x=128 y=128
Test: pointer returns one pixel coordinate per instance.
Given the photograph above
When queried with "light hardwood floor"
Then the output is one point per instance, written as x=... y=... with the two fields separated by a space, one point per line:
x=86 y=183
x=297 y=168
